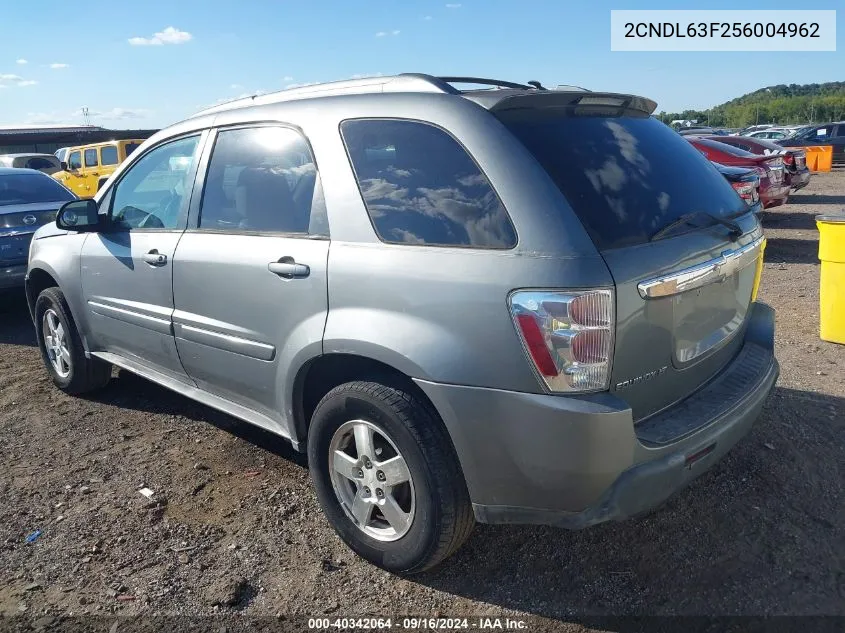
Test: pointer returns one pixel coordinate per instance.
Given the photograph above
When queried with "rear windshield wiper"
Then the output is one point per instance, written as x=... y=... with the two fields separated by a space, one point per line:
x=733 y=227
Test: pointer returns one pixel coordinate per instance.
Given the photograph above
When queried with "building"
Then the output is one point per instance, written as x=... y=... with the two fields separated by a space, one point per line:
x=47 y=139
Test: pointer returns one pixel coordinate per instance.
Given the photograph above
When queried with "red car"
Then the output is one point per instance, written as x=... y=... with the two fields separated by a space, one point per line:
x=774 y=190
x=794 y=158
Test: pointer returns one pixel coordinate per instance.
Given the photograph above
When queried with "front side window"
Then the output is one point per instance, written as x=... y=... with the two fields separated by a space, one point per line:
x=151 y=193
x=91 y=157
x=421 y=187
x=260 y=180
x=75 y=160
x=108 y=155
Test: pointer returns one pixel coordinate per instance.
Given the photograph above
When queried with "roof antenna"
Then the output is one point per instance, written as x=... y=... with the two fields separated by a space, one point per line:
x=536 y=84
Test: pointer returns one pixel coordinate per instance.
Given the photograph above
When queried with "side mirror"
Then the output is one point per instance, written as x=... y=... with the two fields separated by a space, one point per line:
x=78 y=215
x=63 y=165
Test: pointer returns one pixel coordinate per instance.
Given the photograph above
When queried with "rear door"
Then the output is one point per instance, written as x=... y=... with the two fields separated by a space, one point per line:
x=682 y=297
x=249 y=275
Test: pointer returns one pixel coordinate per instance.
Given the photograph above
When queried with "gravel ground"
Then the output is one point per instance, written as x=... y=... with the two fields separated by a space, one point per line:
x=233 y=526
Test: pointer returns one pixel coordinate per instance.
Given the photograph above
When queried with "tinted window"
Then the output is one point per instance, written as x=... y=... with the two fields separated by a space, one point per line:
x=260 y=179
x=131 y=147
x=91 y=157
x=108 y=155
x=75 y=160
x=40 y=163
x=150 y=194
x=28 y=187
x=421 y=187
x=626 y=177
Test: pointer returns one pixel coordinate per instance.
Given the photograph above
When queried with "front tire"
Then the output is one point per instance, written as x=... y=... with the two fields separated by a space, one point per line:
x=61 y=347
x=387 y=477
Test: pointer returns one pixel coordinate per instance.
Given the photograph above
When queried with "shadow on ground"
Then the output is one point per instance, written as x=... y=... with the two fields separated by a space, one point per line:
x=791 y=251
x=799 y=198
x=15 y=323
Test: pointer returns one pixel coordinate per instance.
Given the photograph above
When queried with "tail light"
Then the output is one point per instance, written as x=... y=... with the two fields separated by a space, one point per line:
x=747 y=191
x=568 y=336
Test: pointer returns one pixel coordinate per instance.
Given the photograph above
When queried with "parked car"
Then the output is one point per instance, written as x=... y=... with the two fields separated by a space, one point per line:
x=88 y=167
x=755 y=128
x=773 y=189
x=47 y=163
x=796 y=174
x=746 y=183
x=696 y=129
x=513 y=306
x=28 y=199
x=769 y=134
x=832 y=134
x=61 y=154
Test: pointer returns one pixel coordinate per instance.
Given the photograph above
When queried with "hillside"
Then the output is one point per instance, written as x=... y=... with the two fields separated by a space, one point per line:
x=782 y=104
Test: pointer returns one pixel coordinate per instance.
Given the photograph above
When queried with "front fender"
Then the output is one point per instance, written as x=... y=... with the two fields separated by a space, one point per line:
x=56 y=253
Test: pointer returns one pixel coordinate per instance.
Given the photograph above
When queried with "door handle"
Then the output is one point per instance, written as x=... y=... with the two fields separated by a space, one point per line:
x=288 y=269
x=154 y=258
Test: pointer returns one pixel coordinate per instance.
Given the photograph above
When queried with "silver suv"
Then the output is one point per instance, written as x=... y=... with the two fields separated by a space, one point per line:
x=503 y=304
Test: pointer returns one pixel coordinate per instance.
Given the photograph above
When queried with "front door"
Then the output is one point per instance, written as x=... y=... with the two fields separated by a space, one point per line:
x=127 y=278
x=249 y=275
x=73 y=177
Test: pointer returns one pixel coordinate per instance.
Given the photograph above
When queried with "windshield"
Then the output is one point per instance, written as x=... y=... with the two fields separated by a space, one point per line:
x=28 y=188
x=626 y=177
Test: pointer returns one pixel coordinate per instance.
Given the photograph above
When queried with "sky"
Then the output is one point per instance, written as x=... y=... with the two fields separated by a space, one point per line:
x=150 y=64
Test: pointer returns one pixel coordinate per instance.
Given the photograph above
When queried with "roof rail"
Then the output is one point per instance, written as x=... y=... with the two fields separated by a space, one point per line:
x=408 y=82
x=498 y=83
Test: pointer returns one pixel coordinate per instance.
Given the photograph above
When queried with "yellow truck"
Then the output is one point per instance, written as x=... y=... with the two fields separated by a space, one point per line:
x=89 y=166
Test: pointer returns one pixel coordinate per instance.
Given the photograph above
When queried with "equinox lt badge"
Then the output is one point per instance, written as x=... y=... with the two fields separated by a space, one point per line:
x=643 y=378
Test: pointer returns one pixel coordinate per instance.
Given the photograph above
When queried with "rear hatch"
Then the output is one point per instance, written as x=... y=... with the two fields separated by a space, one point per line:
x=658 y=212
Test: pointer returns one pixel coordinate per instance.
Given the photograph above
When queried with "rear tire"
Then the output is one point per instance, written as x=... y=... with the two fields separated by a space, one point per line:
x=61 y=347
x=436 y=514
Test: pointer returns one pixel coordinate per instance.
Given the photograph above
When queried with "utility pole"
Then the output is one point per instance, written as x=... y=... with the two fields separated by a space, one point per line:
x=85 y=116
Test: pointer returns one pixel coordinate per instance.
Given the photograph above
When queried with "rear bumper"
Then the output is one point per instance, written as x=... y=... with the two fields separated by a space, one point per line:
x=799 y=179
x=12 y=276
x=774 y=196
x=577 y=461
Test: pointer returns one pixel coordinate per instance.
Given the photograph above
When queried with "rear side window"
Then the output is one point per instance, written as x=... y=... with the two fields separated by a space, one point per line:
x=262 y=180
x=131 y=147
x=91 y=157
x=108 y=155
x=421 y=187
x=626 y=177
x=75 y=160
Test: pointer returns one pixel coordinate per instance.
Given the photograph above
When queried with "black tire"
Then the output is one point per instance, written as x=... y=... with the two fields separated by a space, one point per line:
x=443 y=519
x=85 y=374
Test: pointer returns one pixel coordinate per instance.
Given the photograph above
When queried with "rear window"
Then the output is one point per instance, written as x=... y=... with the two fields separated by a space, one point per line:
x=421 y=187
x=27 y=188
x=626 y=177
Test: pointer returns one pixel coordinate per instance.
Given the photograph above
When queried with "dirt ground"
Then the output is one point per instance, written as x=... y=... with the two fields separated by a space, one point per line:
x=233 y=526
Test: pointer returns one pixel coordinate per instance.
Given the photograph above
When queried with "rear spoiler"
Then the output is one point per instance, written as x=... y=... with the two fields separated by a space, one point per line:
x=558 y=99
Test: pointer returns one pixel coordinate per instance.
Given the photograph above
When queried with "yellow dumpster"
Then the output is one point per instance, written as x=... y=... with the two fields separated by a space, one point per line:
x=819 y=157
x=832 y=288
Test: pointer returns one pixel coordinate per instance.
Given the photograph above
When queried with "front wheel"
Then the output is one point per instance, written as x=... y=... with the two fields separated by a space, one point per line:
x=61 y=347
x=387 y=477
